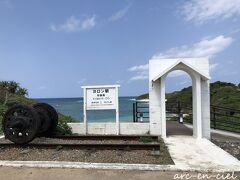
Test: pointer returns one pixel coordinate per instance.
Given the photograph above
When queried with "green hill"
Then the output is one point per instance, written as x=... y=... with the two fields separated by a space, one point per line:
x=11 y=93
x=222 y=94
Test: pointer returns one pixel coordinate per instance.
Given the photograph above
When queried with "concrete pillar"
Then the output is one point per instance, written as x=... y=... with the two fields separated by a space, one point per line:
x=205 y=91
x=155 y=107
x=197 y=113
x=163 y=107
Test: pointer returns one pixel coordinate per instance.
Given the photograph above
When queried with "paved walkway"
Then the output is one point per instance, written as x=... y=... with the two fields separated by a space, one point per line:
x=175 y=128
x=23 y=173
x=190 y=153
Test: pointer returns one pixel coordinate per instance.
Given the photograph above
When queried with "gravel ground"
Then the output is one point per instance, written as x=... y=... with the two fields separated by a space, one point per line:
x=231 y=146
x=93 y=155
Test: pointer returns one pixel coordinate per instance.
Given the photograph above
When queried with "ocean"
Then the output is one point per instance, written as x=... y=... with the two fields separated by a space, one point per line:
x=74 y=107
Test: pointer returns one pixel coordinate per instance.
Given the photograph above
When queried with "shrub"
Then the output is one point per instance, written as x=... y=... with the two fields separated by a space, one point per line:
x=63 y=129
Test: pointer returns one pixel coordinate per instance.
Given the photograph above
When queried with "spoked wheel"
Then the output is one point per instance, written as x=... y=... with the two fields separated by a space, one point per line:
x=52 y=114
x=21 y=124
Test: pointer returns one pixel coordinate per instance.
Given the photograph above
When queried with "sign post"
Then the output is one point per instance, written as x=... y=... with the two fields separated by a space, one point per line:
x=85 y=111
x=100 y=98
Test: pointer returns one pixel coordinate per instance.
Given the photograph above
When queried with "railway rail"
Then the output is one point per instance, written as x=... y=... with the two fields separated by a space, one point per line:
x=152 y=143
x=96 y=146
x=106 y=137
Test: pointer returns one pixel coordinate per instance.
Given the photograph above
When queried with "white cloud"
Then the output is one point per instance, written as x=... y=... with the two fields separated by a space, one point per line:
x=139 y=68
x=42 y=88
x=119 y=14
x=141 y=72
x=204 y=48
x=200 y=11
x=212 y=67
x=184 y=82
x=119 y=82
x=177 y=73
x=140 y=76
x=235 y=31
x=82 y=81
x=74 y=24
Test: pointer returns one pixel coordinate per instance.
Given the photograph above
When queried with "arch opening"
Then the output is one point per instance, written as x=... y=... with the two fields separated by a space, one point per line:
x=178 y=85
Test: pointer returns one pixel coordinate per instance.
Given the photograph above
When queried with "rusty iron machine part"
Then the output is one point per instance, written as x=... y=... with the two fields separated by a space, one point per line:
x=21 y=123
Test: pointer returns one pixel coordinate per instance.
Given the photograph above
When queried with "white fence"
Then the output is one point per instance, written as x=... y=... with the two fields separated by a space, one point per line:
x=110 y=128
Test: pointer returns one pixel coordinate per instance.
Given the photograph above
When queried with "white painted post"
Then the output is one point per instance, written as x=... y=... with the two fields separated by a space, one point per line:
x=206 y=133
x=85 y=110
x=155 y=107
x=163 y=107
x=197 y=112
x=117 y=113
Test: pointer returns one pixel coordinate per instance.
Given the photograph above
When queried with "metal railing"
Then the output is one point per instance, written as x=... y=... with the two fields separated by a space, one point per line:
x=223 y=118
x=141 y=111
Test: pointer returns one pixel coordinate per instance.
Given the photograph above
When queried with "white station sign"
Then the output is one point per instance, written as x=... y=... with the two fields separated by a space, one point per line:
x=101 y=98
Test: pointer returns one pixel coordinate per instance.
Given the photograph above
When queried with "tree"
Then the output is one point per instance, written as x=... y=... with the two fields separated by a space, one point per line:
x=2 y=95
x=4 y=84
x=22 y=91
x=4 y=89
x=11 y=87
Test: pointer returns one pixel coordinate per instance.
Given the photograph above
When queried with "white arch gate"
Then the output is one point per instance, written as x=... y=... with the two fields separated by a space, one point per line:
x=198 y=69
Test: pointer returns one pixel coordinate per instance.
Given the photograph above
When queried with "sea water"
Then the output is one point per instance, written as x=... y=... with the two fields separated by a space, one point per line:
x=74 y=107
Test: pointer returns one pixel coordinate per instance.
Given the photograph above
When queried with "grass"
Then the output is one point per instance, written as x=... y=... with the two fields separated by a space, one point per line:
x=146 y=139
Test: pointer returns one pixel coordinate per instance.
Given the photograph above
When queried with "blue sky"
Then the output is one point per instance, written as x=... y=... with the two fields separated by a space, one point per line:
x=54 y=47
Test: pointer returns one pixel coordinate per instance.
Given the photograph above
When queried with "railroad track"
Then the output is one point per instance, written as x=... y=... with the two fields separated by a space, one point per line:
x=84 y=146
x=96 y=146
x=106 y=137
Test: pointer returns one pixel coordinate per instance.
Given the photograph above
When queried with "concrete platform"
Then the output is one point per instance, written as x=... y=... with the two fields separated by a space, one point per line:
x=199 y=154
